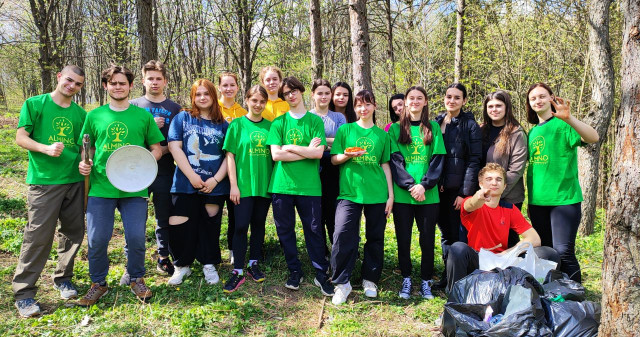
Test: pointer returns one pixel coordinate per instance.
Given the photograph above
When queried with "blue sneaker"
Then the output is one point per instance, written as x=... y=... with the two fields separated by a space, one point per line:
x=27 y=307
x=425 y=289
x=67 y=290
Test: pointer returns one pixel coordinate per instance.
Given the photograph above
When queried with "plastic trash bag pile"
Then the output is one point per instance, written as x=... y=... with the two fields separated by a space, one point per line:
x=511 y=302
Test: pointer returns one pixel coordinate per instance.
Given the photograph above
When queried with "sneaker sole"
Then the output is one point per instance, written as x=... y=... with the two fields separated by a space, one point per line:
x=289 y=286
x=96 y=301
x=182 y=280
x=317 y=283
x=403 y=296
x=370 y=295
x=72 y=297
x=37 y=313
x=143 y=299
x=234 y=289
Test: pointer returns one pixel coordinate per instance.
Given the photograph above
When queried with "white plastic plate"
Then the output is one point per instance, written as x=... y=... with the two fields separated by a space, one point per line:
x=131 y=168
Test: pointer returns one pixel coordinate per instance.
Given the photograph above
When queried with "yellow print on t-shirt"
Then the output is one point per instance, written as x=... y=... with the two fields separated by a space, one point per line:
x=258 y=147
x=368 y=145
x=417 y=155
x=294 y=136
x=538 y=157
x=63 y=129
x=117 y=133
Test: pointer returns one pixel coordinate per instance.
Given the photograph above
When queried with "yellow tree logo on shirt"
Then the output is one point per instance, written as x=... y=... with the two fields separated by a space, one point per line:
x=417 y=145
x=62 y=126
x=257 y=138
x=294 y=136
x=365 y=143
x=538 y=145
x=117 y=131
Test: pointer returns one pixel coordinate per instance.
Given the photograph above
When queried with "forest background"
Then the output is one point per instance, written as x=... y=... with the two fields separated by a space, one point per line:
x=386 y=45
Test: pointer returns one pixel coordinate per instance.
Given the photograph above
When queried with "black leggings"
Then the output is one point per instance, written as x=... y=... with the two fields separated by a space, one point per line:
x=329 y=176
x=251 y=211
x=425 y=217
x=558 y=227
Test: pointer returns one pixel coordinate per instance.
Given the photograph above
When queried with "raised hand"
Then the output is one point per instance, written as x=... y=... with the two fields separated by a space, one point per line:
x=563 y=109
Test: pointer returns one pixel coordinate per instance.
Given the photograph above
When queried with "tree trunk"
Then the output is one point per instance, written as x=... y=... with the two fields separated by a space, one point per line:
x=244 y=37
x=459 y=39
x=360 y=54
x=316 y=38
x=599 y=116
x=621 y=265
x=41 y=14
x=146 y=31
x=390 y=54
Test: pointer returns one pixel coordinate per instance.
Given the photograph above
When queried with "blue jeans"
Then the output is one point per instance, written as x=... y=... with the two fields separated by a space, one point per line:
x=100 y=218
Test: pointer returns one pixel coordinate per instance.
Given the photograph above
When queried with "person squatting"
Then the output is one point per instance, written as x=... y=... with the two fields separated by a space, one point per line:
x=329 y=165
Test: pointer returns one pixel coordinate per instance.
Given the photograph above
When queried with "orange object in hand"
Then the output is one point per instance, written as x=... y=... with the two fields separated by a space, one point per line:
x=353 y=149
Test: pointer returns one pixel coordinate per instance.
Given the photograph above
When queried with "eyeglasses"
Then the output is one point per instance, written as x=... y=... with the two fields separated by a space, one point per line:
x=289 y=93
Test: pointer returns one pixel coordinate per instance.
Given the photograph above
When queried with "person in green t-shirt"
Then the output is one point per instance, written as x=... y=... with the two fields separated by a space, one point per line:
x=249 y=167
x=297 y=141
x=365 y=184
x=49 y=128
x=552 y=177
x=417 y=161
x=110 y=127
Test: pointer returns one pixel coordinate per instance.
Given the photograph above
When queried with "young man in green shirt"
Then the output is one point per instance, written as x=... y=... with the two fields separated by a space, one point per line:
x=297 y=142
x=110 y=127
x=49 y=128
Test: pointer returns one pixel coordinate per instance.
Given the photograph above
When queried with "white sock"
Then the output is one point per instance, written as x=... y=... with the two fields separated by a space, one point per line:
x=251 y=262
x=239 y=271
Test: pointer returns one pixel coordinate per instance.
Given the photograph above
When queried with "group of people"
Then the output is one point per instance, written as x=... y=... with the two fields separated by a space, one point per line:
x=329 y=165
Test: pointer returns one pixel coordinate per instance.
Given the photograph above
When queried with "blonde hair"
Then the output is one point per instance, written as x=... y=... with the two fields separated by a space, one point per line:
x=226 y=73
x=267 y=69
x=492 y=167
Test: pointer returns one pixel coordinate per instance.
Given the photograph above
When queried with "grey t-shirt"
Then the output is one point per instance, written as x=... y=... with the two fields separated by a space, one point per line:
x=332 y=122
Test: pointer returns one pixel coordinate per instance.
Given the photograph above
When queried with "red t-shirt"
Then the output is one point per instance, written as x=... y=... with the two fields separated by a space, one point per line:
x=489 y=227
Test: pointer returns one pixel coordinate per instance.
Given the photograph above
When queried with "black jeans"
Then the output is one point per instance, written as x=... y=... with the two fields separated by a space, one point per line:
x=346 y=240
x=425 y=217
x=162 y=208
x=449 y=222
x=558 y=227
x=463 y=260
x=308 y=207
x=231 y=222
x=251 y=211
x=330 y=178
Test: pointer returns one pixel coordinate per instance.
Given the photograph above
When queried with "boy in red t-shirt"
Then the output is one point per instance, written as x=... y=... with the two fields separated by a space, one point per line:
x=488 y=220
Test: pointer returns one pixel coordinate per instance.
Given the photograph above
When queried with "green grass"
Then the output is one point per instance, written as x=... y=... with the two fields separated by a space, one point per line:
x=195 y=308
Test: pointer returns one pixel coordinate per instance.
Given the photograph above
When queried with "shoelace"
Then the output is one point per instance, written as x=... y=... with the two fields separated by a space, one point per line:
x=92 y=291
x=25 y=304
x=406 y=286
x=141 y=286
x=426 y=287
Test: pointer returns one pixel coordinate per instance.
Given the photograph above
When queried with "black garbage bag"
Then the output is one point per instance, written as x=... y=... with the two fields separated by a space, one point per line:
x=558 y=283
x=481 y=287
x=573 y=319
x=467 y=319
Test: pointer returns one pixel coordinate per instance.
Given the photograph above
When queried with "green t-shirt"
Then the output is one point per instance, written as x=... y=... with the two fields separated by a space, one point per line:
x=362 y=179
x=247 y=140
x=417 y=157
x=300 y=177
x=49 y=123
x=109 y=130
x=552 y=176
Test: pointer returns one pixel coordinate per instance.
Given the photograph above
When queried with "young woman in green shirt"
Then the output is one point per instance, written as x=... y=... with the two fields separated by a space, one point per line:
x=365 y=184
x=552 y=177
x=417 y=160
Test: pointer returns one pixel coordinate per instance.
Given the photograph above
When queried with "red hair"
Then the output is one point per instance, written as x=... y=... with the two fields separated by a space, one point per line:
x=214 y=110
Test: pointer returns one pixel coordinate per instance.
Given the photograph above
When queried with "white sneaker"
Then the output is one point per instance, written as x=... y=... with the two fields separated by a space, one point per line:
x=405 y=291
x=370 y=288
x=231 y=259
x=210 y=274
x=342 y=291
x=178 y=275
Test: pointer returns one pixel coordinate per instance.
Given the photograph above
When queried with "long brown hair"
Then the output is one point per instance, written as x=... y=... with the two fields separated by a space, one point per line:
x=511 y=124
x=214 y=110
x=532 y=116
x=425 y=124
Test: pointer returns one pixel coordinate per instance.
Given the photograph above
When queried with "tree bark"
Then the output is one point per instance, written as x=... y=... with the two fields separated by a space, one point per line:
x=457 y=71
x=316 y=38
x=146 y=31
x=41 y=13
x=621 y=265
x=390 y=53
x=599 y=116
x=360 y=45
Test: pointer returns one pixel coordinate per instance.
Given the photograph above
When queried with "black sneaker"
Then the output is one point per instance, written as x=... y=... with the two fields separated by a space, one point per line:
x=255 y=272
x=165 y=266
x=322 y=281
x=441 y=284
x=235 y=281
x=295 y=278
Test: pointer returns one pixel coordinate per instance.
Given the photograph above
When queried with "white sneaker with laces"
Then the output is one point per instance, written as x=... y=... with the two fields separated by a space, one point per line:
x=178 y=275
x=405 y=291
x=370 y=289
x=210 y=274
x=341 y=293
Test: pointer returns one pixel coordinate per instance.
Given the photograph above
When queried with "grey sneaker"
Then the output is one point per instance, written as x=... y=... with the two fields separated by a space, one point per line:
x=405 y=291
x=425 y=289
x=67 y=290
x=27 y=307
x=125 y=279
